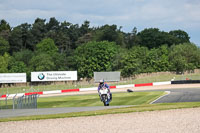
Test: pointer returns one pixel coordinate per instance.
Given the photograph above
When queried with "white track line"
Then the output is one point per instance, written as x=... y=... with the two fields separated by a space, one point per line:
x=168 y=92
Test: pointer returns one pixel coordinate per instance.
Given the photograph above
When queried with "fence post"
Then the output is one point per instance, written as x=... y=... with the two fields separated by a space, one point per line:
x=6 y=101
x=0 y=102
x=14 y=101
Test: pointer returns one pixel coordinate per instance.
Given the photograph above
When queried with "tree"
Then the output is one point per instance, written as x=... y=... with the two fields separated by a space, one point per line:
x=130 y=64
x=157 y=59
x=24 y=56
x=44 y=57
x=4 y=29
x=26 y=36
x=154 y=38
x=38 y=30
x=181 y=36
x=17 y=67
x=84 y=29
x=181 y=57
x=15 y=40
x=4 y=25
x=21 y=38
x=46 y=46
x=109 y=33
x=94 y=56
x=53 y=24
x=4 y=60
x=60 y=61
x=134 y=61
x=131 y=39
x=163 y=60
x=84 y=39
x=4 y=46
x=42 y=62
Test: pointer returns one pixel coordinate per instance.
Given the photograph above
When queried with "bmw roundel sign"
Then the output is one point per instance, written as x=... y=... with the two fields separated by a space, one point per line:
x=54 y=76
x=41 y=76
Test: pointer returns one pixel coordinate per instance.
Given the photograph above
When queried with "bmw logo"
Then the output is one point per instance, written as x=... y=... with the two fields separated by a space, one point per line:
x=41 y=76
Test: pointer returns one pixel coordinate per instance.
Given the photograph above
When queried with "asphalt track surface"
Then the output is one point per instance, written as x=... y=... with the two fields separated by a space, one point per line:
x=175 y=95
x=180 y=95
x=46 y=111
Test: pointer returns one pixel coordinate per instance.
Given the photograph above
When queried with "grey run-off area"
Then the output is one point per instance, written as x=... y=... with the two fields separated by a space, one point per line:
x=46 y=111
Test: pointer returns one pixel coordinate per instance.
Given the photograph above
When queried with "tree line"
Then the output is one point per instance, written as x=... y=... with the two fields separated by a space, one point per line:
x=62 y=46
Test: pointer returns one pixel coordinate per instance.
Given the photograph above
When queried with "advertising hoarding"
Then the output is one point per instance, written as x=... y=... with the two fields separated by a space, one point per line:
x=12 y=77
x=54 y=76
x=107 y=76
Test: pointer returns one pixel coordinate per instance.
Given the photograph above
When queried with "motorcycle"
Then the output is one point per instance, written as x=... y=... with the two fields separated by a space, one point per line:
x=105 y=96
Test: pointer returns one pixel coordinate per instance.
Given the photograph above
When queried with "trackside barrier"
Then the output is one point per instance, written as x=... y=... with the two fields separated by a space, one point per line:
x=88 y=89
x=125 y=86
x=145 y=84
x=70 y=90
x=162 y=83
x=95 y=88
x=52 y=92
x=185 y=81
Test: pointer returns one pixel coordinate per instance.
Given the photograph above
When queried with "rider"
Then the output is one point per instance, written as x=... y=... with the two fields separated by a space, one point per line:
x=103 y=84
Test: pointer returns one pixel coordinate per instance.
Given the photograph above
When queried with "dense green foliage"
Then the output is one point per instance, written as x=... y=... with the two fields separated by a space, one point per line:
x=95 y=56
x=57 y=46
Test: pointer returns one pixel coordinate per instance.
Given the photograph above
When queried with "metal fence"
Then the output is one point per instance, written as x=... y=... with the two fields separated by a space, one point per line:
x=19 y=102
x=25 y=102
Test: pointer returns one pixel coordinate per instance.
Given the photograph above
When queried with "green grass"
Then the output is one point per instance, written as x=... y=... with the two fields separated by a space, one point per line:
x=140 y=108
x=135 y=98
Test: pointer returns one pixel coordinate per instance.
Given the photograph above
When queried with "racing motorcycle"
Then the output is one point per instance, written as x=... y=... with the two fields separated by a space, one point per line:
x=105 y=96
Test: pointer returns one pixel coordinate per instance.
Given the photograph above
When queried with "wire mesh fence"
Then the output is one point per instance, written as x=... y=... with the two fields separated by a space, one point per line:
x=19 y=102
x=25 y=102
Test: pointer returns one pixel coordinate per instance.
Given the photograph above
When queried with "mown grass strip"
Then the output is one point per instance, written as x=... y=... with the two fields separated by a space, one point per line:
x=135 y=98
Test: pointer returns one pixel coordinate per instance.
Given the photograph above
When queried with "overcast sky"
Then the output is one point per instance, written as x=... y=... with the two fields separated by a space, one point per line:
x=166 y=15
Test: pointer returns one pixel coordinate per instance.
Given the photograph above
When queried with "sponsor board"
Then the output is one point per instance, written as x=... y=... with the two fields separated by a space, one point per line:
x=107 y=76
x=12 y=77
x=54 y=76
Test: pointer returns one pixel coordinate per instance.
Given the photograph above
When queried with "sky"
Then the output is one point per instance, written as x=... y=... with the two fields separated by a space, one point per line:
x=166 y=15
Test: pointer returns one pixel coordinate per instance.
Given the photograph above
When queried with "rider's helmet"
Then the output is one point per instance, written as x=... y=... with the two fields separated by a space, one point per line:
x=101 y=82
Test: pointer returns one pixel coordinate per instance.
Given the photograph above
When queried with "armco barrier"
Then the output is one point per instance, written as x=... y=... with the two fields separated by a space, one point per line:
x=185 y=82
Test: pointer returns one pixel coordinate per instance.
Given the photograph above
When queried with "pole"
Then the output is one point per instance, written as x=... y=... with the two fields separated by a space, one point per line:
x=0 y=102
x=14 y=101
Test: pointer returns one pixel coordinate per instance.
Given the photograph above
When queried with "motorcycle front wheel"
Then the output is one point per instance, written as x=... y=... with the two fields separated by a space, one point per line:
x=106 y=104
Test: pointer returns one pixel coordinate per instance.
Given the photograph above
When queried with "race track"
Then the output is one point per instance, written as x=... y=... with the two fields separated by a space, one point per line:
x=180 y=95
x=176 y=95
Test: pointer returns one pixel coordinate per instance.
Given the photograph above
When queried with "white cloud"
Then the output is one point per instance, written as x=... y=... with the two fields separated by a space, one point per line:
x=164 y=14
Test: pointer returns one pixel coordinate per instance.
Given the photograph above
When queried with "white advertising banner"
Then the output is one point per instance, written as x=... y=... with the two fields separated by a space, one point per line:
x=12 y=77
x=54 y=76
